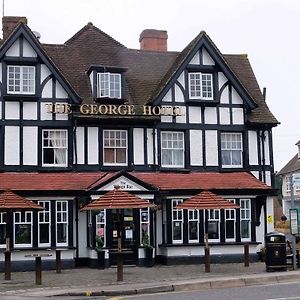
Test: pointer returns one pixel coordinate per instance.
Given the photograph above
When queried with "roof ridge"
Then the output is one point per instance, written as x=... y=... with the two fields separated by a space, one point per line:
x=91 y=26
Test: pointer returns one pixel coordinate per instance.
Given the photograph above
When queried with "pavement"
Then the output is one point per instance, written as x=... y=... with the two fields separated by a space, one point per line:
x=141 y=280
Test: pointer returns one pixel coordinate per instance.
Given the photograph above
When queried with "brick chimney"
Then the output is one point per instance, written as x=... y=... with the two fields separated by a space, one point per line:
x=154 y=40
x=10 y=23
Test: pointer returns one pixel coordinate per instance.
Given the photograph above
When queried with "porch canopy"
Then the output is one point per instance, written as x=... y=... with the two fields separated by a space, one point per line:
x=10 y=201
x=206 y=200
x=118 y=199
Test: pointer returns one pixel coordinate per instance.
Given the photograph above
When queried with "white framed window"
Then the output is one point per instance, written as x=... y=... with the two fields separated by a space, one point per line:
x=101 y=225
x=213 y=229
x=44 y=224
x=115 y=147
x=177 y=222
x=61 y=208
x=2 y=230
x=23 y=229
x=193 y=223
x=201 y=86
x=232 y=150
x=109 y=85
x=55 y=147
x=21 y=80
x=288 y=183
x=245 y=211
x=145 y=224
x=172 y=149
x=230 y=223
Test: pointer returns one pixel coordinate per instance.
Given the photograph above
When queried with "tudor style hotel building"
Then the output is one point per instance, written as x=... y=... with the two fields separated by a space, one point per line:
x=81 y=117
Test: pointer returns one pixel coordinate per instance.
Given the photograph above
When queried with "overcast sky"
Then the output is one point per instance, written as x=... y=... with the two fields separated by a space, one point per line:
x=267 y=30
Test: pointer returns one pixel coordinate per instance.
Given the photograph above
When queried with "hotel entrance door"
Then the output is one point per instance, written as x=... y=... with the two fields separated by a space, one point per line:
x=124 y=222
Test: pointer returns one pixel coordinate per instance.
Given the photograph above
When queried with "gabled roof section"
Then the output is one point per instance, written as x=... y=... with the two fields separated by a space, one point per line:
x=202 y=40
x=24 y=30
x=91 y=46
x=110 y=177
x=292 y=166
x=236 y=68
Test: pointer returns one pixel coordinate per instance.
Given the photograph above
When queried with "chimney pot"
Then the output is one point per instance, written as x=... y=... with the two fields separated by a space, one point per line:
x=154 y=40
x=10 y=23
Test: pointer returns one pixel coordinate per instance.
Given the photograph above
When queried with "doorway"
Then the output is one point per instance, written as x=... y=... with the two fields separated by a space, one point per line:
x=125 y=223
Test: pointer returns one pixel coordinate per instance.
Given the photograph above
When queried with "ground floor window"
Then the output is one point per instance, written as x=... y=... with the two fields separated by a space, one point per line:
x=245 y=209
x=2 y=230
x=213 y=225
x=44 y=225
x=177 y=221
x=230 y=220
x=23 y=229
x=193 y=216
x=145 y=228
x=100 y=225
x=61 y=223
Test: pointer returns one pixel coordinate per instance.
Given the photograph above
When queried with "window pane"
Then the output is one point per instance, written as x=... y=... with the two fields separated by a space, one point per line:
x=213 y=229
x=230 y=229
x=177 y=230
x=193 y=230
x=44 y=234
x=245 y=232
x=61 y=233
x=23 y=234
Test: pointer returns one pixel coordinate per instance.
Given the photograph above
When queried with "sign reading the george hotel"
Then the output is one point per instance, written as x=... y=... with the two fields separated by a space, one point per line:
x=111 y=109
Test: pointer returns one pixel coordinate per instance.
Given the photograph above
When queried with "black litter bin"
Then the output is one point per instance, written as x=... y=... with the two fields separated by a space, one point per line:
x=275 y=251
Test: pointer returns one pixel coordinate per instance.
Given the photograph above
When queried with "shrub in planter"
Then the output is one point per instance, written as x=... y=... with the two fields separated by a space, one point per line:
x=149 y=261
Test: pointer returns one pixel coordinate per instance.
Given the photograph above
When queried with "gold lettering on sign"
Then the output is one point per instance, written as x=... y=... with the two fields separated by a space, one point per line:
x=111 y=109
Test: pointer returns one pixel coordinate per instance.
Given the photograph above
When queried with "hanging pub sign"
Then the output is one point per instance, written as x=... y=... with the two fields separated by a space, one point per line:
x=112 y=109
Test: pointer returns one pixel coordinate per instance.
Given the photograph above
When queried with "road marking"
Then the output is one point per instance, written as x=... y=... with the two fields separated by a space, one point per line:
x=288 y=298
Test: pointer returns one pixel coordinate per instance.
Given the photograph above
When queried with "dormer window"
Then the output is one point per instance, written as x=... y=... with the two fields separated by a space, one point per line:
x=109 y=85
x=201 y=86
x=21 y=80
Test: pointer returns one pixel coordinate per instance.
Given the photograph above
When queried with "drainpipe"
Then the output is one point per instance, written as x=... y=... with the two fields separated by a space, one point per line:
x=154 y=145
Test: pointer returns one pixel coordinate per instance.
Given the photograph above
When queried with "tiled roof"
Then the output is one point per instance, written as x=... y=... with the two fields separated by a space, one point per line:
x=64 y=181
x=12 y=201
x=206 y=200
x=82 y=181
x=148 y=71
x=117 y=199
x=202 y=180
